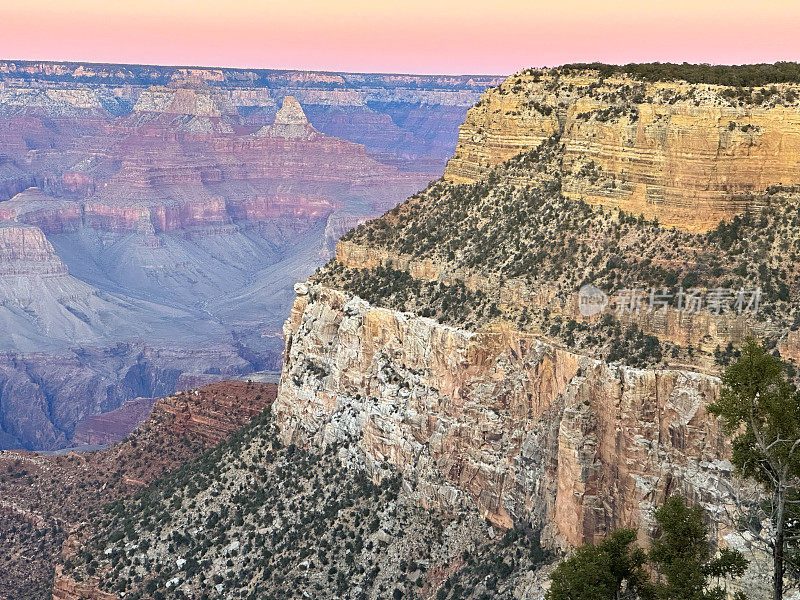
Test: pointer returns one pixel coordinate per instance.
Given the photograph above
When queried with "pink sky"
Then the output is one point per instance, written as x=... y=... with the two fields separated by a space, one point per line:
x=491 y=36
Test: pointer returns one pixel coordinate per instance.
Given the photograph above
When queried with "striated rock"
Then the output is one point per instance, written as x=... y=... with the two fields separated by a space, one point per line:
x=290 y=123
x=34 y=206
x=680 y=152
x=705 y=330
x=25 y=250
x=215 y=411
x=534 y=434
x=114 y=425
x=139 y=205
x=474 y=399
x=199 y=101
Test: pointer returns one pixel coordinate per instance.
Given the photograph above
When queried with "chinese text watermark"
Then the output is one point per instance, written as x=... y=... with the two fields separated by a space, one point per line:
x=717 y=301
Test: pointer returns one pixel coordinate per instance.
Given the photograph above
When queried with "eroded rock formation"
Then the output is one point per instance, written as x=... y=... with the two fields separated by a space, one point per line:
x=152 y=206
x=685 y=153
x=534 y=434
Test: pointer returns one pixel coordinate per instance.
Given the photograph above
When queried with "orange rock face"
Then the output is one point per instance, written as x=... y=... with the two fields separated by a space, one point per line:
x=679 y=152
x=533 y=433
x=66 y=588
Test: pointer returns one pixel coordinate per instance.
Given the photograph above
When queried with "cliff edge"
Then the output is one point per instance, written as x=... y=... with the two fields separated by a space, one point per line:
x=689 y=154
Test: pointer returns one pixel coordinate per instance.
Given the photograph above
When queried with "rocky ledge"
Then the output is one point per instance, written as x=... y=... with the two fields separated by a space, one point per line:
x=688 y=154
x=534 y=434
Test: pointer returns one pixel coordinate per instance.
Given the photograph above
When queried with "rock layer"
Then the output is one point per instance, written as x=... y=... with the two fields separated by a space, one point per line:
x=682 y=153
x=482 y=405
x=161 y=207
x=534 y=434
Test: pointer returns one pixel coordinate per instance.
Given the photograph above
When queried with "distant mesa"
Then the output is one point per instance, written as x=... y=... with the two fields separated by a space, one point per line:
x=183 y=101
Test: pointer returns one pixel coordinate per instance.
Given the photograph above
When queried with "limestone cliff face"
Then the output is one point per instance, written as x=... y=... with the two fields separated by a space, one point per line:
x=25 y=250
x=681 y=152
x=532 y=433
x=201 y=102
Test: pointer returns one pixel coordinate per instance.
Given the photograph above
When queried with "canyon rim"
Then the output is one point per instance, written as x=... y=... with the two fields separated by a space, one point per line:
x=306 y=325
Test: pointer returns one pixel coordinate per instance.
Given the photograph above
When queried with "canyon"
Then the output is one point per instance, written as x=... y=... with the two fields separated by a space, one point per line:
x=433 y=344
x=447 y=423
x=153 y=220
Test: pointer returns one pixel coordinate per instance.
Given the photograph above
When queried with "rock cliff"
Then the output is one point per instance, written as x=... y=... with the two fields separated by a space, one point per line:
x=537 y=436
x=516 y=245
x=688 y=154
x=25 y=250
x=445 y=339
x=290 y=122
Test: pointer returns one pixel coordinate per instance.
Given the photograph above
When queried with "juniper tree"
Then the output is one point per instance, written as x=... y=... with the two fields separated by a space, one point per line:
x=762 y=407
x=612 y=570
x=684 y=556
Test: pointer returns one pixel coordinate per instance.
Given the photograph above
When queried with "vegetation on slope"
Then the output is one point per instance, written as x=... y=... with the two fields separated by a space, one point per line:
x=256 y=519
x=753 y=75
x=760 y=406
x=738 y=86
x=683 y=558
x=53 y=493
x=509 y=236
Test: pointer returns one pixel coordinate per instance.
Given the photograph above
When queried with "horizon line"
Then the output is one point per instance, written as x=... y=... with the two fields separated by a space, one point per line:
x=408 y=73
x=277 y=70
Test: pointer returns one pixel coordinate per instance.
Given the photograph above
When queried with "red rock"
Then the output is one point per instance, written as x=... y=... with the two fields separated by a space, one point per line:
x=112 y=426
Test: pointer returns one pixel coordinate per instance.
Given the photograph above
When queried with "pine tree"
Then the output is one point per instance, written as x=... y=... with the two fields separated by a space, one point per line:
x=611 y=570
x=682 y=556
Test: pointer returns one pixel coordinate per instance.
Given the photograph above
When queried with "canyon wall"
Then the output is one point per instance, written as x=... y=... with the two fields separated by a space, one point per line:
x=156 y=208
x=703 y=330
x=534 y=434
x=407 y=120
x=688 y=154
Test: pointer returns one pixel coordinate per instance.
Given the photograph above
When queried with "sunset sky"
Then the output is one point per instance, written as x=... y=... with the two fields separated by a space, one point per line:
x=491 y=36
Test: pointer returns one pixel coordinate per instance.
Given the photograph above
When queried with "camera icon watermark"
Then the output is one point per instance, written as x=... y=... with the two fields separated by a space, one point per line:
x=591 y=300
